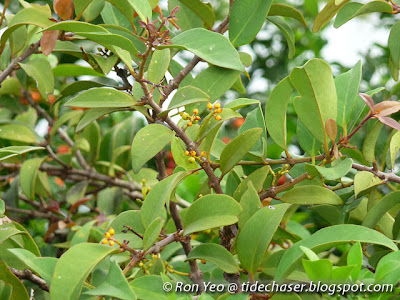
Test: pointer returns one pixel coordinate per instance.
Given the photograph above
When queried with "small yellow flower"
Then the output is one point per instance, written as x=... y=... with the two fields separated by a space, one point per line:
x=209 y=106
x=111 y=231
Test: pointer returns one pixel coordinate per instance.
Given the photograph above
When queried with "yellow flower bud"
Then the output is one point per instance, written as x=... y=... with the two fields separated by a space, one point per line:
x=195 y=111
x=193 y=153
x=203 y=153
x=111 y=243
x=187 y=153
x=209 y=105
x=107 y=235
x=217 y=105
x=192 y=160
x=218 y=118
x=111 y=231
x=104 y=241
x=189 y=124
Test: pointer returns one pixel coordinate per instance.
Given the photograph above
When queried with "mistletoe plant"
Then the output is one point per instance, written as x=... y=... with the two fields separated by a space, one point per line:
x=132 y=194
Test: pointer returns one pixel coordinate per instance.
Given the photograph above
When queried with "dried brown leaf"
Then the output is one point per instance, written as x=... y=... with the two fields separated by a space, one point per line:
x=48 y=41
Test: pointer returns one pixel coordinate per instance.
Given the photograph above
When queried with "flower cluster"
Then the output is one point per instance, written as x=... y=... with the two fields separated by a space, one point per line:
x=109 y=237
x=217 y=110
x=193 y=119
x=192 y=156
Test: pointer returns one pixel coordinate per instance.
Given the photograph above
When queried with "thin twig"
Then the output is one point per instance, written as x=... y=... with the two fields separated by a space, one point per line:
x=28 y=275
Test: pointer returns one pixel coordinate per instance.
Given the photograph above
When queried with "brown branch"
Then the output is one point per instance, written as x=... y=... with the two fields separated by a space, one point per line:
x=28 y=275
x=34 y=213
x=14 y=64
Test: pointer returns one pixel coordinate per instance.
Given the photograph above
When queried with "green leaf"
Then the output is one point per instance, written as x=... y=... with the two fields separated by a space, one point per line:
x=17 y=132
x=354 y=9
x=18 y=289
x=318 y=101
x=44 y=266
x=149 y=287
x=210 y=46
x=115 y=285
x=82 y=235
x=282 y=10
x=394 y=147
x=388 y=269
x=142 y=8
x=81 y=5
x=72 y=70
x=246 y=19
x=370 y=142
x=364 y=181
x=158 y=65
x=328 y=238
x=216 y=254
x=74 y=266
x=237 y=148
x=250 y=203
x=123 y=17
x=311 y=194
x=215 y=81
x=255 y=236
x=201 y=9
x=92 y=115
x=28 y=176
x=287 y=32
x=34 y=15
x=159 y=195
x=8 y=152
x=347 y=88
x=241 y=102
x=394 y=47
x=102 y=97
x=152 y=232
x=211 y=211
x=2 y=208
x=376 y=213
x=40 y=70
x=275 y=111
x=187 y=18
x=306 y=140
x=327 y=13
x=185 y=96
x=11 y=85
x=93 y=10
x=148 y=142
x=256 y=178
x=71 y=116
x=337 y=171
x=318 y=269
x=355 y=258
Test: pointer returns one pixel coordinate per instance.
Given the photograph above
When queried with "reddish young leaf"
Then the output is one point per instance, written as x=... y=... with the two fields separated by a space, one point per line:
x=331 y=129
x=386 y=108
x=368 y=100
x=389 y=122
x=64 y=8
x=48 y=41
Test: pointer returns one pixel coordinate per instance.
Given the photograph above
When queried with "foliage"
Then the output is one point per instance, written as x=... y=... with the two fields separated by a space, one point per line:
x=150 y=176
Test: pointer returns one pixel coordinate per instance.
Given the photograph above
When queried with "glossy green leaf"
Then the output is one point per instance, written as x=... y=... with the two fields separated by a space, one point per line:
x=102 y=98
x=149 y=287
x=364 y=181
x=327 y=13
x=148 y=142
x=93 y=10
x=178 y=153
x=256 y=235
x=159 y=195
x=246 y=19
x=319 y=269
x=287 y=33
x=115 y=285
x=8 y=152
x=210 y=46
x=388 y=269
x=158 y=65
x=141 y=7
x=18 y=289
x=40 y=70
x=318 y=101
x=215 y=81
x=370 y=142
x=10 y=85
x=394 y=148
x=283 y=10
x=91 y=115
x=44 y=266
x=74 y=266
x=211 y=211
x=72 y=70
x=394 y=46
x=201 y=9
x=354 y=9
x=17 y=132
x=250 y=203
x=328 y=238
x=355 y=258
x=82 y=235
x=81 y=5
x=275 y=111
x=306 y=140
x=28 y=176
x=111 y=15
x=71 y=116
x=237 y=148
x=376 y=213
x=334 y=172
x=241 y=102
x=152 y=232
x=185 y=96
x=311 y=194
x=187 y=18
x=256 y=178
x=216 y=254
x=347 y=88
x=76 y=26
